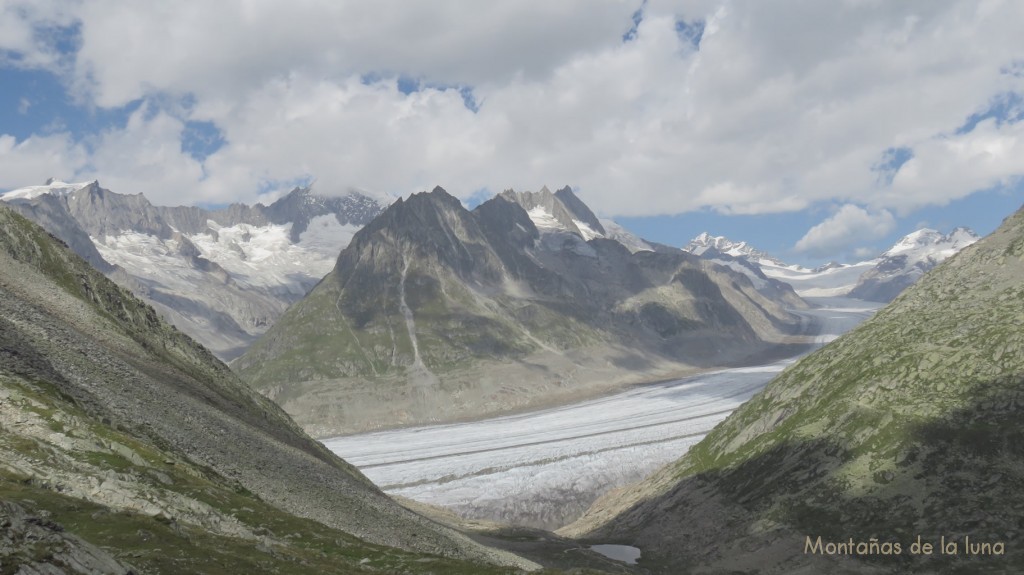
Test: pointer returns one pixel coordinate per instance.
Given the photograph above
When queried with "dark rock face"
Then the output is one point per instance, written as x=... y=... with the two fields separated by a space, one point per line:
x=910 y=425
x=432 y=292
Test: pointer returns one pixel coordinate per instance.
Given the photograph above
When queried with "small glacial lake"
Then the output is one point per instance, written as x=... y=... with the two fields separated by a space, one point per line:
x=624 y=553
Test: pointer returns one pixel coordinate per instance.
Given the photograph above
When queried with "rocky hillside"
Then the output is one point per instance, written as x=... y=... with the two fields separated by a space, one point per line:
x=910 y=425
x=222 y=276
x=125 y=446
x=434 y=313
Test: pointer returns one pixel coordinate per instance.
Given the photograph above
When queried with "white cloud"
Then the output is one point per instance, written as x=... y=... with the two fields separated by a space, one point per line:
x=786 y=105
x=230 y=47
x=145 y=156
x=863 y=253
x=34 y=159
x=953 y=166
x=840 y=232
x=26 y=32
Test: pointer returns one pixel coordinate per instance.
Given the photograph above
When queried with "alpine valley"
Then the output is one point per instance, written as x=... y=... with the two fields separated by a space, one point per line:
x=907 y=427
x=432 y=334
x=437 y=313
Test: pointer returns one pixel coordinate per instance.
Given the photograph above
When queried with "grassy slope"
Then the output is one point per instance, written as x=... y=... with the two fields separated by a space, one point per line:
x=67 y=458
x=910 y=424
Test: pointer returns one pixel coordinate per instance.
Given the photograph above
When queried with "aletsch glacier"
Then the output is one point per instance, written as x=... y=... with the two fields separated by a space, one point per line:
x=544 y=468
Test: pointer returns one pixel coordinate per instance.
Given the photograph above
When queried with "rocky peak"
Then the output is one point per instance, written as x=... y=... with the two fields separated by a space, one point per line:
x=301 y=205
x=580 y=210
x=561 y=211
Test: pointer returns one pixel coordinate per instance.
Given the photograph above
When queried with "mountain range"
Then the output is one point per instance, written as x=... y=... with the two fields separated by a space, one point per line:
x=905 y=430
x=879 y=279
x=127 y=447
x=223 y=276
x=434 y=312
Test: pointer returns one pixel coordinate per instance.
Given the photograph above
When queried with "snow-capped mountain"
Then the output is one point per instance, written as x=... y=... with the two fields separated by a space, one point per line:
x=747 y=260
x=905 y=262
x=222 y=276
x=878 y=279
x=709 y=246
x=51 y=187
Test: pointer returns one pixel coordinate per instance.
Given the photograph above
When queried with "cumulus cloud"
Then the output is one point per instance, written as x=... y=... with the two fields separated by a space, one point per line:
x=34 y=159
x=780 y=106
x=230 y=47
x=849 y=226
x=146 y=155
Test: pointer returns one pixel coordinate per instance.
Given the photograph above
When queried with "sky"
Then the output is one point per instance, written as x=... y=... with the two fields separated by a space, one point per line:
x=814 y=130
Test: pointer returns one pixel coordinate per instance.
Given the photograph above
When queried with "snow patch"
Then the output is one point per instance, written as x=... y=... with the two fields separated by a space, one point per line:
x=588 y=232
x=544 y=220
x=55 y=187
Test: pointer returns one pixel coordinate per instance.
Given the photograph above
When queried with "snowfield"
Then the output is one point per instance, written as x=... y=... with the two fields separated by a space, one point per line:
x=544 y=468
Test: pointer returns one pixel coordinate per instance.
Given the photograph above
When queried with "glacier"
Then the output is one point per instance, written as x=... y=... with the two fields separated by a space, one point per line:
x=544 y=468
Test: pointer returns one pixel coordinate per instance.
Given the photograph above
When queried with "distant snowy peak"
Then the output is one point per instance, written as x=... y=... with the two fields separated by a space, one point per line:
x=300 y=206
x=927 y=242
x=909 y=259
x=52 y=186
x=707 y=245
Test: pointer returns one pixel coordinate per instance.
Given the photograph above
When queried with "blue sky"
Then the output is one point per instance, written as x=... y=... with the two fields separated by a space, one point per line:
x=815 y=142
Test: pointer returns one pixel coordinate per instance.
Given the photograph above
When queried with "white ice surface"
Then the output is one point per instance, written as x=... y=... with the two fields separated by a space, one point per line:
x=588 y=232
x=545 y=467
x=832 y=282
x=255 y=256
x=544 y=220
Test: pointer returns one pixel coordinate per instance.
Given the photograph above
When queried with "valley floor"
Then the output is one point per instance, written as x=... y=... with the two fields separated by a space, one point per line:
x=544 y=468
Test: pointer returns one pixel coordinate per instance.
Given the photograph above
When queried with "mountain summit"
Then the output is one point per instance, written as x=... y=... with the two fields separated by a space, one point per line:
x=905 y=262
x=709 y=246
x=434 y=312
